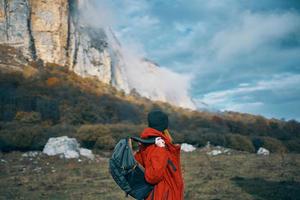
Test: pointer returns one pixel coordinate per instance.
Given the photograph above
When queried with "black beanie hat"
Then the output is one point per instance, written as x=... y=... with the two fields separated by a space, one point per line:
x=158 y=120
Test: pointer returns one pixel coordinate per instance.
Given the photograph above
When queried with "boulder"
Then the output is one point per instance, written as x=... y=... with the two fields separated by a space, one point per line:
x=86 y=153
x=187 y=147
x=263 y=151
x=69 y=147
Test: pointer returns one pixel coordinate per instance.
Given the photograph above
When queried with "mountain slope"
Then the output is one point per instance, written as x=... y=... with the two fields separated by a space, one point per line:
x=39 y=101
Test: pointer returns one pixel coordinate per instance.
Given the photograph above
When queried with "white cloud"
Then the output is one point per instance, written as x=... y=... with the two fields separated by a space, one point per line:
x=157 y=83
x=244 y=84
x=131 y=7
x=96 y=13
x=252 y=32
x=145 y=21
x=277 y=84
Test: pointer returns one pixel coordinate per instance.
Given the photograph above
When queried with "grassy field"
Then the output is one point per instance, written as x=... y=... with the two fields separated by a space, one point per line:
x=240 y=176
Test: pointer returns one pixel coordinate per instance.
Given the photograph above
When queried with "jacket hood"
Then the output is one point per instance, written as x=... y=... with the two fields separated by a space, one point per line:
x=151 y=132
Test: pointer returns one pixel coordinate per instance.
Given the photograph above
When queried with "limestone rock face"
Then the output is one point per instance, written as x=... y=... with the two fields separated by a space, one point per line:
x=14 y=25
x=49 y=27
x=51 y=30
x=90 y=54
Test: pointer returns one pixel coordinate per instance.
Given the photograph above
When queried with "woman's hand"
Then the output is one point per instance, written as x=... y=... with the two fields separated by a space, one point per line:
x=159 y=142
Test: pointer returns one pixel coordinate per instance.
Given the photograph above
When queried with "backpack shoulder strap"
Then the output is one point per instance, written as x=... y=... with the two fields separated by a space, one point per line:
x=144 y=141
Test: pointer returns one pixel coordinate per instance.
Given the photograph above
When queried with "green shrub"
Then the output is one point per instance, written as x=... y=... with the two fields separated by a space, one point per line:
x=214 y=139
x=106 y=142
x=293 y=145
x=23 y=138
x=194 y=137
x=95 y=136
x=239 y=142
x=257 y=143
x=272 y=144
x=178 y=137
x=201 y=136
x=28 y=117
x=61 y=130
x=123 y=130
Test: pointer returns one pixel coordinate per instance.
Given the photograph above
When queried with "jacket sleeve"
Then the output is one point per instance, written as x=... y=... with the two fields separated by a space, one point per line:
x=155 y=168
x=138 y=157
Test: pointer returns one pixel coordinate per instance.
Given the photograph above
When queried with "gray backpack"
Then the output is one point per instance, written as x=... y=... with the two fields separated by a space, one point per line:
x=126 y=171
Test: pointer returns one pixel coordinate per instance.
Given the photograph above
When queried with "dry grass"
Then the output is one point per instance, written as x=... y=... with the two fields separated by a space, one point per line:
x=233 y=176
x=238 y=176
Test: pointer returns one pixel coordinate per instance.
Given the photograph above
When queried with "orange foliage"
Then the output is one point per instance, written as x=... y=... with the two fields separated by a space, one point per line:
x=52 y=81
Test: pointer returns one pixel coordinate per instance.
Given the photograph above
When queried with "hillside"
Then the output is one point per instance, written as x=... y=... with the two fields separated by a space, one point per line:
x=40 y=100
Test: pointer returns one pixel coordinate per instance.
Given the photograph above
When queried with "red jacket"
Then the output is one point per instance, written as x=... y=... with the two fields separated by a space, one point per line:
x=162 y=167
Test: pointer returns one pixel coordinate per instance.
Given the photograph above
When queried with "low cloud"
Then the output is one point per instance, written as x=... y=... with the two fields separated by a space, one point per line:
x=252 y=32
x=244 y=97
x=159 y=83
x=96 y=13
x=147 y=78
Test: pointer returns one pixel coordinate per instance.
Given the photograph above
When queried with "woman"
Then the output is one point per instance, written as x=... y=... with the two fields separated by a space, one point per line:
x=161 y=160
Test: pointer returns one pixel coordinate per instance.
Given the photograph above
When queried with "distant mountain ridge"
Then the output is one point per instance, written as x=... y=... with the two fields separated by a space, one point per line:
x=52 y=31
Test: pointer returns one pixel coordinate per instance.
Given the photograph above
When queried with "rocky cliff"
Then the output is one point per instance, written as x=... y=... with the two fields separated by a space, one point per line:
x=52 y=31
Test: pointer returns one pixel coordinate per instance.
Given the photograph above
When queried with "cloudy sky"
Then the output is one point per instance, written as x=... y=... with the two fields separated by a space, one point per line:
x=243 y=55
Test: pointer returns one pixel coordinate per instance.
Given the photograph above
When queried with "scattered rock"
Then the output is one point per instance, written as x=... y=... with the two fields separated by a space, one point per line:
x=217 y=150
x=4 y=161
x=31 y=154
x=187 y=147
x=87 y=153
x=214 y=152
x=38 y=169
x=263 y=151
